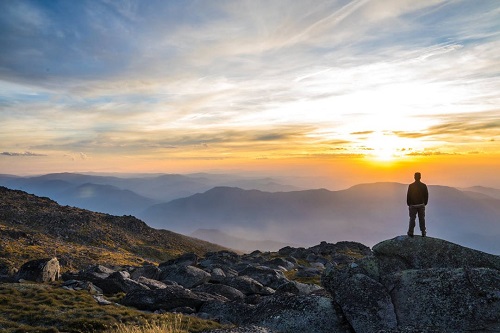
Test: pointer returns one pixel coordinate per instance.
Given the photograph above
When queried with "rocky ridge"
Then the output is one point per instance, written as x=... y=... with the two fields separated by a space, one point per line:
x=257 y=292
x=401 y=285
x=418 y=284
x=33 y=227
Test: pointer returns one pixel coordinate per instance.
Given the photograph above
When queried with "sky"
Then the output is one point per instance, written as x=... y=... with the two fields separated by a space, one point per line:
x=351 y=91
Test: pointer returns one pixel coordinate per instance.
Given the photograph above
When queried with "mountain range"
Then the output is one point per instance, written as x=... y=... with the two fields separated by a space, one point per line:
x=364 y=213
x=244 y=212
x=133 y=194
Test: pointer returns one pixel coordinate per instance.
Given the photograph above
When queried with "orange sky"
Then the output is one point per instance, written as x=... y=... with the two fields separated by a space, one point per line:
x=295 y=88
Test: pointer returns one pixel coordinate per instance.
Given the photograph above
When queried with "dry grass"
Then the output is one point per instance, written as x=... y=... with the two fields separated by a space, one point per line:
x=177 y=325
x=48 y=308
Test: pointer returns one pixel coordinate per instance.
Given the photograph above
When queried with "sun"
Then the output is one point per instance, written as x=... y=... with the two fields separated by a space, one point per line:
x=385 y=147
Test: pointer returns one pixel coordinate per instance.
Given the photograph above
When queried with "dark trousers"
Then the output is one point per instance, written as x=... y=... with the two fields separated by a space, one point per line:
x=414 y=210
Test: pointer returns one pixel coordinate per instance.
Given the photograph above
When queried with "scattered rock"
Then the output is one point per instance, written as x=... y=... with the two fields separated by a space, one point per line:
x=406 y=285
x=101 y=300
x=82 y=285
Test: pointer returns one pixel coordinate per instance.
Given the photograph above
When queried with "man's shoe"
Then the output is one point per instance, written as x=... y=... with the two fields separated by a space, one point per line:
x=424 y=234
x=409 y=234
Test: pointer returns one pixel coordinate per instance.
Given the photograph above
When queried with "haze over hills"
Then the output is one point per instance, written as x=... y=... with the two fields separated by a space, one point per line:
x=129 y=195
x=265 y=209
x=246 y=245
x=364 y=213
x=491 y=192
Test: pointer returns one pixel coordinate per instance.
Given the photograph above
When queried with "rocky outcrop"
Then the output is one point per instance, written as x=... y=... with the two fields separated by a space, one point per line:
x=40 y=270
x=418 y=284
x=427 y=252
x=405 y=285
x=254 y=290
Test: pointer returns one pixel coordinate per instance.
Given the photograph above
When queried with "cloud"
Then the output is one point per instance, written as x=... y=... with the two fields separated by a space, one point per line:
x=134 y=77
x=456 y=126
x=27 y=154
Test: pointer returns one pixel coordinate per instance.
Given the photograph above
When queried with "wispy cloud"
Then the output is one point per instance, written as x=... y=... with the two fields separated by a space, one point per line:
x=136 y=77
x=26 y=153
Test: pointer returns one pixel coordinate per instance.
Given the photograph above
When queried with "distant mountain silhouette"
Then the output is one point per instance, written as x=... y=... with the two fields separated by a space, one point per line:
x=105 y=198
x=364 y=213
x=237 y=243
x=491 y=192
x=128 y=195
x=262 y=208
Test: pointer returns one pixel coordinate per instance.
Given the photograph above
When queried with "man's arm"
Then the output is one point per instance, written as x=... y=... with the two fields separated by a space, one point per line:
x=426 y=195
x=408 y=196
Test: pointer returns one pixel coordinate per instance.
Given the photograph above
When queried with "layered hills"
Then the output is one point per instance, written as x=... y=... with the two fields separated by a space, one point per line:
x=129 y=195
x=34 y=227
x=243 y=210
x=364 y=213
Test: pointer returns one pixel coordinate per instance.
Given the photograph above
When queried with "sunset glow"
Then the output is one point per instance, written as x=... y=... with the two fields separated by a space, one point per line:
x=351 y=90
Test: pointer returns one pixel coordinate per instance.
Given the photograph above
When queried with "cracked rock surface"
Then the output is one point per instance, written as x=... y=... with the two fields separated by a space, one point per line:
x=418 y=285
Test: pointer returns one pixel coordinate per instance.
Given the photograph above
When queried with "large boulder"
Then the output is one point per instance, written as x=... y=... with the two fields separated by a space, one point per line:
x=40 y=270
x=297 y=314
x=221 y=258
x=280 y=313
x=427 y=252
x=418 y=284
x=366 y=304
x=151 y=283
x=245 y=329
x=226 y=312
x=186 y=276
x=187 y=259
x=298 y=288
x=247 y=285
x=266 y=276
x=146 y=271
x=168 y=298
x=119 y=282
x=452 y=299
x=230 y=293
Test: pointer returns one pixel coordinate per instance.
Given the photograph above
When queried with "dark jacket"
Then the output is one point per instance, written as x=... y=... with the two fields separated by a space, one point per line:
x=417 y=194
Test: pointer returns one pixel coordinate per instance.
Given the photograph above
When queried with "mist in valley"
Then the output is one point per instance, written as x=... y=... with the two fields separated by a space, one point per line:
x=266 y=213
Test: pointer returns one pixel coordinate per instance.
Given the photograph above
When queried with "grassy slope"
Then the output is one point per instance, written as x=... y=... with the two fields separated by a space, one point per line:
x=32 y=227
x=48 y=308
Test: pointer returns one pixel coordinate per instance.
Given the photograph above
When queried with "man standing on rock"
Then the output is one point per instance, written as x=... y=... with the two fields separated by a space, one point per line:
x=416 y=199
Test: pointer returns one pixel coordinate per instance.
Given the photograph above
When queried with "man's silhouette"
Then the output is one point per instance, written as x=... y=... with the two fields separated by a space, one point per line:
x=416 y=199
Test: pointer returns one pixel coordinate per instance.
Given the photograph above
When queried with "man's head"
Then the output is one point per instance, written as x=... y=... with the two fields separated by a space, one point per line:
x=417 y=176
